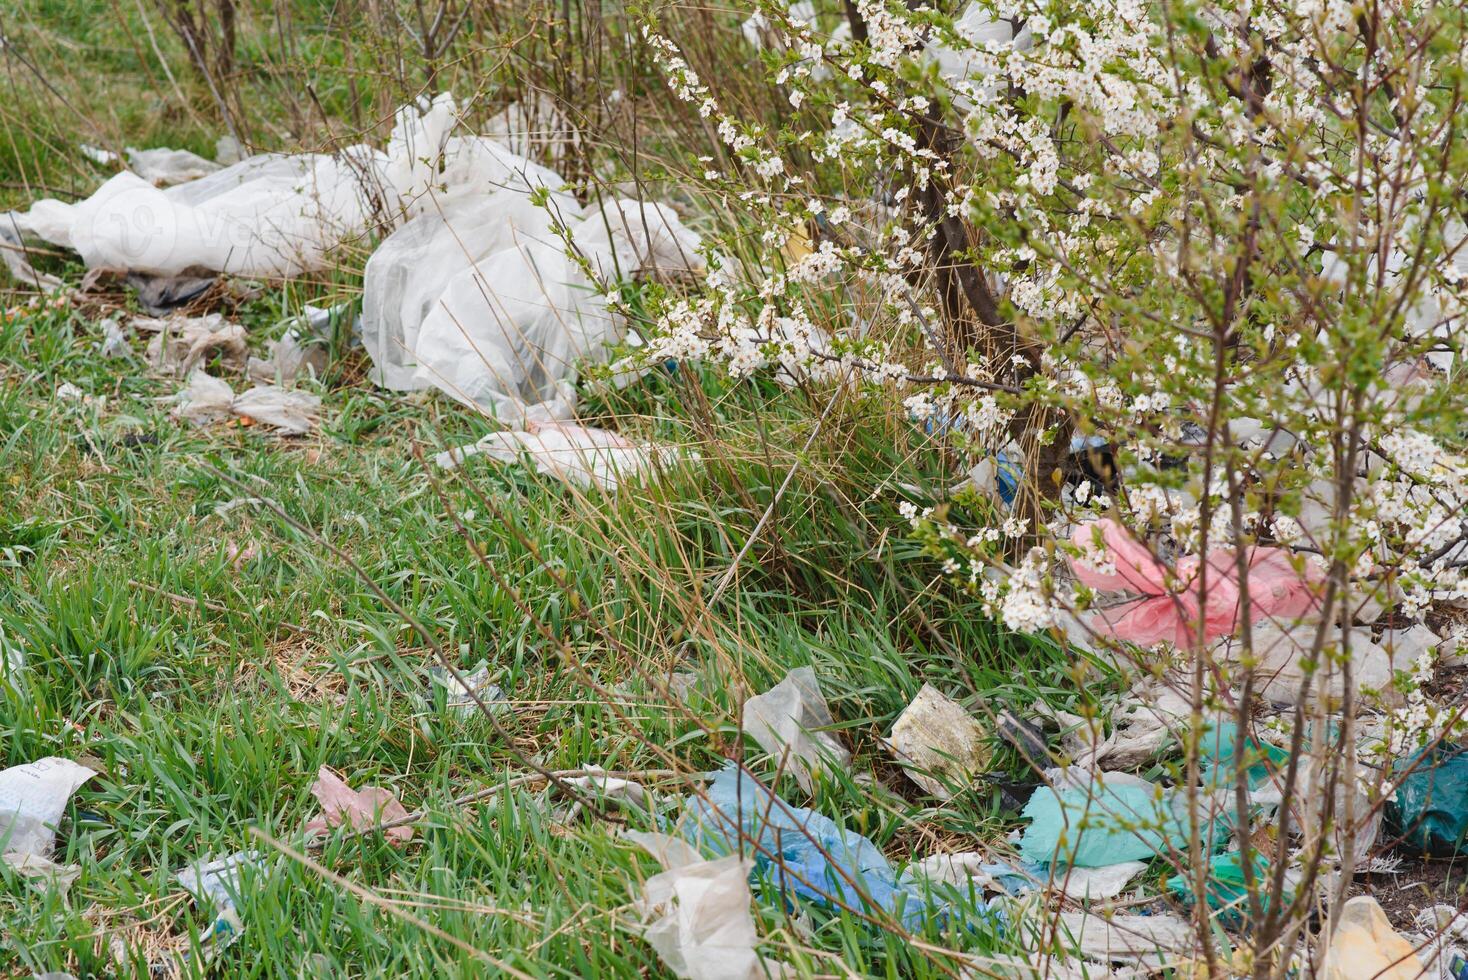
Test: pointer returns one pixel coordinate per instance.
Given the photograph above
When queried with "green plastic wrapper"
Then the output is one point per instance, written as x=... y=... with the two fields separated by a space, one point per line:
x=1226 y=889
x=1430 y=812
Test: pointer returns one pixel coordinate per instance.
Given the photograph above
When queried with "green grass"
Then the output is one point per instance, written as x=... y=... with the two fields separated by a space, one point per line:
x=210 y=715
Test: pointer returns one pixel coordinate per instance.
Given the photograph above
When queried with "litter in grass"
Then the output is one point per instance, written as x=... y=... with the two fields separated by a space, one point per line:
x=939 y=744
x=1110 y=821
x=799 y=850
x=1152 y=940
x=790 y=722
x=696 y=914
x=163 y=166
x=32 y=799
x=1226 y=887
x=114 y=339
x=288 y=412
x=361 y=810
x=180 y=344
x=460 y=699
x=1366 y=947
x=627 y=793
x=582 y=456
x=42 y=872
x=1094 y=884
x=218 y=887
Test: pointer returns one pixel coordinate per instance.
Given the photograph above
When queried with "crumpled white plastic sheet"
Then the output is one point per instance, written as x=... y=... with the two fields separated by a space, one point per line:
x=582 y=456
x=1281 y=651
x=32 y=799
x=1151 y=939
x=474 y=293
x=411 y=267
x=1096 y=883
x=505 y=331
x=288 y=411
x=788 y=722
x=698 y=913
x=969 y=72
x=270 y=215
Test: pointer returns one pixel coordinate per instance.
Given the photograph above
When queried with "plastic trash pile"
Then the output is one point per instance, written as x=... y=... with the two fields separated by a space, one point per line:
x=490 y=281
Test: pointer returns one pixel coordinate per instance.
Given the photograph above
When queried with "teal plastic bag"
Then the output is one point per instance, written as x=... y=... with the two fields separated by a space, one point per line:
x=1430 y=812
x=1091 y=828
x=1226 y=888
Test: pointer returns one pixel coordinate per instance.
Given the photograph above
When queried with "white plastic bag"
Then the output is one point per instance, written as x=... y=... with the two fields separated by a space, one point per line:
x=582 y=456
x=506 y=335
x=408 y=273
x=698 y=913
x=32 y=799
x=788 y=722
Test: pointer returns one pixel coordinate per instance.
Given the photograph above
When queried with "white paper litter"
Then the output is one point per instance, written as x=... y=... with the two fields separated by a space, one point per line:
x=938 y=743
x=697 y=914
x=788 y=722
x=32 y=799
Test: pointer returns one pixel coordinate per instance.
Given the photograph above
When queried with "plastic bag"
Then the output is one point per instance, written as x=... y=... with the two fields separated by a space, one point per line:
x=582 y=456
x=802 y=852
x=166 y=166
x=1226 y=889
x=205 y=401
x=789 y=721
x=409 y=271
x=1430 y=810
x=219 y=884
x=1109 y=822
x=180 y=344
x=291 y=412
x=32 y=799
x=1366 y=947
x=698 y=913
x=968 y=72
x=268 y=216
x=506 y=334
x=1107 y=881
x=1149 y=939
